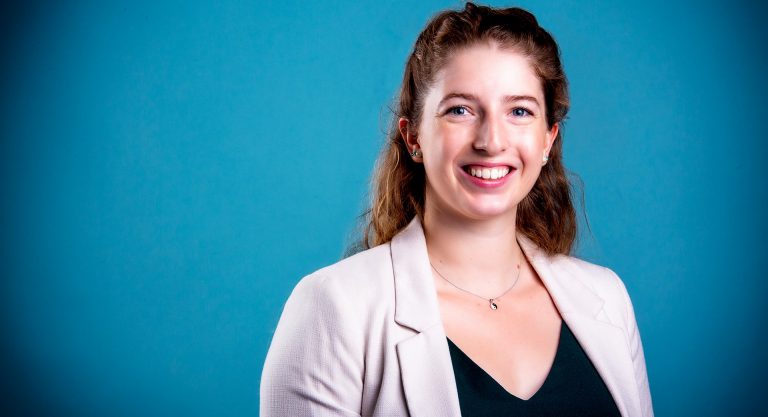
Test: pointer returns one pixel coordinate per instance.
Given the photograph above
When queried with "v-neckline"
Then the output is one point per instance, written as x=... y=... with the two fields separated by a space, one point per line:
x=496 y=383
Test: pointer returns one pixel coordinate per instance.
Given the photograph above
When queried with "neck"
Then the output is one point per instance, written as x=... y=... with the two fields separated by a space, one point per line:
x=482 y=255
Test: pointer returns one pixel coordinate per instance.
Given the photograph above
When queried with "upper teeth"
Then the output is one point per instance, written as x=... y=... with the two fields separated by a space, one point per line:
x=489 y=173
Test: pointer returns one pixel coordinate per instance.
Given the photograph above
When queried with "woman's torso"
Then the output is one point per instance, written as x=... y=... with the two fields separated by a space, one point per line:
x=365 y=335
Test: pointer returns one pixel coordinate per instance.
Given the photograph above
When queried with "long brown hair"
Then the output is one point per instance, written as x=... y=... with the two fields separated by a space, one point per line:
x=546 y=215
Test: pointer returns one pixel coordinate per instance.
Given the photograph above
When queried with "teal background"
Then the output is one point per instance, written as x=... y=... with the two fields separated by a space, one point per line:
x=169 y=171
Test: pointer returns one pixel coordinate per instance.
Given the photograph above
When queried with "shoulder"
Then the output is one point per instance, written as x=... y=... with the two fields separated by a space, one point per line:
x=339 y=301
x=596 y=277
x=600 y=280
x=365 y=271
x=348 y=288
x=572 y=274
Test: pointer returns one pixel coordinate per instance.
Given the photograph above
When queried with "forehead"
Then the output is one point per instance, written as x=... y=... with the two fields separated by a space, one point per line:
x=487 y=71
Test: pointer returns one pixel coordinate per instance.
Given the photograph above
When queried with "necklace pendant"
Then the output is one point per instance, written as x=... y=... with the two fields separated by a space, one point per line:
x=492 y=305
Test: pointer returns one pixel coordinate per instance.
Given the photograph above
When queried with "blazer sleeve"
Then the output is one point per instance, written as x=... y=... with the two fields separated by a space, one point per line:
x=636 y=350
x=314 y=366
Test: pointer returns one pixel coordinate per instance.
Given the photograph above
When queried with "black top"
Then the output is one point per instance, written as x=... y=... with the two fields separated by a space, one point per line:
x=572 y=388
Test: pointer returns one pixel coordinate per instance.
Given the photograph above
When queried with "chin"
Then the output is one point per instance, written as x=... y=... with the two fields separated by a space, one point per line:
x=487 y=212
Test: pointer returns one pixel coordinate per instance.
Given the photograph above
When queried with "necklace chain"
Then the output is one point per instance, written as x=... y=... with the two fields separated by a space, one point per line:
x=491 y=301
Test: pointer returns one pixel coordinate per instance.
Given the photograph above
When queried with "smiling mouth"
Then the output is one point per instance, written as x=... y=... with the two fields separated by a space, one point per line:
x=486 y=173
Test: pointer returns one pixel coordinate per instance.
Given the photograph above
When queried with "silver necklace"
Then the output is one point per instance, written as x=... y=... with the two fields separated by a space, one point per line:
x=491 y=301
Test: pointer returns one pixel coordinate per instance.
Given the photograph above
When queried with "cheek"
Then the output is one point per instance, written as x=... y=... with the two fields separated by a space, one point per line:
x=530 y=151
x=533 y=147
x=441 y=146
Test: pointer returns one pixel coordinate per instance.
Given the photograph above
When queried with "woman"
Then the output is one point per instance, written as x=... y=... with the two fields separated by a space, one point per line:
x=467 y=303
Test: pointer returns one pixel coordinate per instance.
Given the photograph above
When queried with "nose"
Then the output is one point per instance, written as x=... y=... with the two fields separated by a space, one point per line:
x=491 y=137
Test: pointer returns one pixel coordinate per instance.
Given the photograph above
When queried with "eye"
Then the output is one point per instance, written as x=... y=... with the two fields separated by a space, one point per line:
x=457 y=111
x=521 y=112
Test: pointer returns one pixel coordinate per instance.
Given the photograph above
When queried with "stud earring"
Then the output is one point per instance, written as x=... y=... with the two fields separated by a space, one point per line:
x=545 y=159
x=416 y=153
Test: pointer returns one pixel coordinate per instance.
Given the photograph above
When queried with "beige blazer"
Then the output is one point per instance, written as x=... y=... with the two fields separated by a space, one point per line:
x=364 y=337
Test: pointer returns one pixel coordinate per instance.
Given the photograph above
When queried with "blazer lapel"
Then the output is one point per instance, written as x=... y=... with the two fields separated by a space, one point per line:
x=604 y=343
x=425 y=362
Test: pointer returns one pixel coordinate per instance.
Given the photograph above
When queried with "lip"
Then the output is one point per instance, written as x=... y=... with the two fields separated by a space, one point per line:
x=488 y=164
x=489 y=183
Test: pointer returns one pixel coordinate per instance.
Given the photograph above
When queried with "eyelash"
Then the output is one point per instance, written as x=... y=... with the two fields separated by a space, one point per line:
x=452 y=111
x=528 y=112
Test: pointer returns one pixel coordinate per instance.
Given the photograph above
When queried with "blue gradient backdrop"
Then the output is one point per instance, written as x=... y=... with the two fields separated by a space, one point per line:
x=171 y=169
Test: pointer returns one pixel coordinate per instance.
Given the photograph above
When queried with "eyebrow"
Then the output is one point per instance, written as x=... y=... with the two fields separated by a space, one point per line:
x=471 y=97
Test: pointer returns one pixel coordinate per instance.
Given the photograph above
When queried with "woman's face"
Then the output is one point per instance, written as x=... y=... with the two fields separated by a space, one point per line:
x=483 y=133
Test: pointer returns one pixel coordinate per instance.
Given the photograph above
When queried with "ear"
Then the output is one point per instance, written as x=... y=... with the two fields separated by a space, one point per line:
x=551 y=137
x=410 y=138
x=406 y=131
